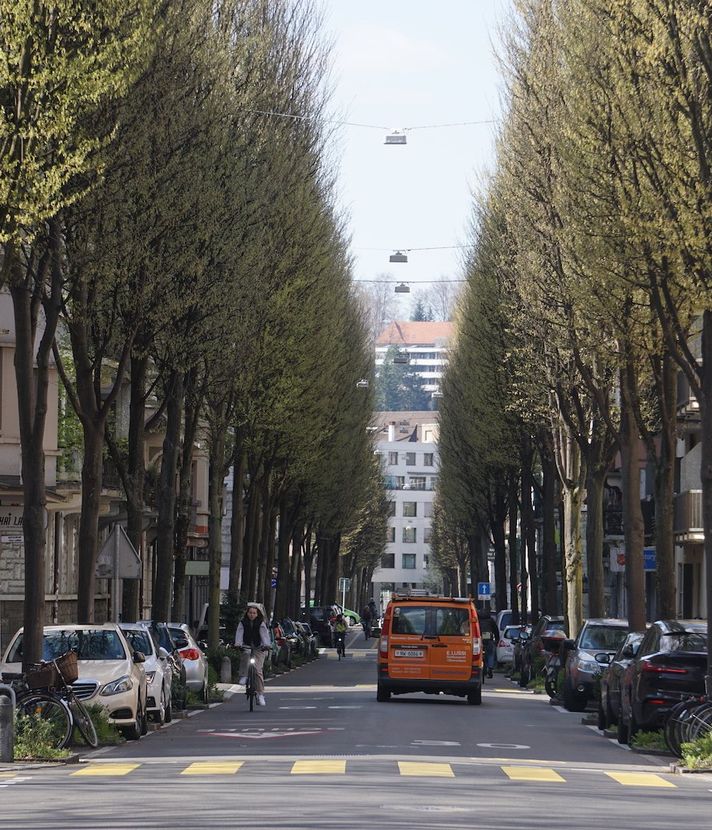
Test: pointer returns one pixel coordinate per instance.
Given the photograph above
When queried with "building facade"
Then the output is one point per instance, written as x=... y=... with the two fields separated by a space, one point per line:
x=425 y=345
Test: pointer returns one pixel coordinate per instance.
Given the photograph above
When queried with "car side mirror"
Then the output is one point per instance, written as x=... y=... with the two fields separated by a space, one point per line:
x=163 y=654
x=524 y=635
x=139 y=657
x=569 y=645
x=603 y=658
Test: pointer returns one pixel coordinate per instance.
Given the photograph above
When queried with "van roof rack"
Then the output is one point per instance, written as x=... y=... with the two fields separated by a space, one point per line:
x=427 y=597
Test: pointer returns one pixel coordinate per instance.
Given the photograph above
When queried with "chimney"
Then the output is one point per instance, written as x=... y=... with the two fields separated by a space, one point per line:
x=392 y=431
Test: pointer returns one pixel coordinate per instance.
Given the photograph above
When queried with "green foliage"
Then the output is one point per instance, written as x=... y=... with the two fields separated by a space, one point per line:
x=106 y=732
x=35 y=740
x=649 y=740
x=698 y=754
x=398 y=387
x=421 y=312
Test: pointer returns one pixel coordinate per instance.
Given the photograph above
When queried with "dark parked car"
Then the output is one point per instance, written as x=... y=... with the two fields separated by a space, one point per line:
x=320 y=619
x=586 y=656
x=533 y=648
x=609 y=704
x=670 y=664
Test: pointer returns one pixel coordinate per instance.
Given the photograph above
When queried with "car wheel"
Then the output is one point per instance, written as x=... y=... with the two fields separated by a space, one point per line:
x=169 y=708
x=573 y=701
x=524 y=677
x=382 y=694
x=633 y=728
x=474 y=698
x=622 y=730
x=610 y=717
x=134 y=732
x=602 y=720
x=160 y=716
x=204 y=695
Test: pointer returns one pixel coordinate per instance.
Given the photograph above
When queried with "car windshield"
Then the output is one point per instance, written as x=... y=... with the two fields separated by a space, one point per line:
x=685 y=641
x=512 y=633
x=605 y=637
x=140 y=641
x=431 y=621
x=89 y=644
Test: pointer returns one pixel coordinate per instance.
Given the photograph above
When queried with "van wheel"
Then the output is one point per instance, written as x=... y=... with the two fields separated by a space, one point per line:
x=382 y=694
x=474 y=698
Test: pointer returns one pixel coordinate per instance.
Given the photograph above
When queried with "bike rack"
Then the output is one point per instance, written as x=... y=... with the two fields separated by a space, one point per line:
x=10 y=692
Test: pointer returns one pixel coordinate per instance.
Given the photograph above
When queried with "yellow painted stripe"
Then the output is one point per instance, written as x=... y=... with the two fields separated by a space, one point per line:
x=213 y=768
x=532 y=774
x=7 y=774
x=640 y=779
x=319 y=768
x=425 y=769
x=107 y=769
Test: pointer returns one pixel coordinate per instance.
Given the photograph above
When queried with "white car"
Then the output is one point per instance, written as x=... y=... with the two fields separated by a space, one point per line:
x=507 y=639
x=159 y=672
x=194 y=661
x=110 y=672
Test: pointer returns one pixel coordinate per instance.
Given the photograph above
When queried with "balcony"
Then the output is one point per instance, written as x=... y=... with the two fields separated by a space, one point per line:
x=688 y=517
x=688 y=407
x=400 y=483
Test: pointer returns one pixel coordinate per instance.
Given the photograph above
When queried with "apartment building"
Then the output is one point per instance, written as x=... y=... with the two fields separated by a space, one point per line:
x=424 y=343
x=407 y=445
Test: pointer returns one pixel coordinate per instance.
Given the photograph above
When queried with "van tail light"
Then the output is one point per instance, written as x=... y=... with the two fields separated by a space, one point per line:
x=190 y=654
x=383 y=645
x=656 y=668
x=476 y=646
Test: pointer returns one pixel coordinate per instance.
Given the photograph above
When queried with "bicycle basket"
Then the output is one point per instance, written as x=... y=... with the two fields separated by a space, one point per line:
x=42 y=676
x=67 y=665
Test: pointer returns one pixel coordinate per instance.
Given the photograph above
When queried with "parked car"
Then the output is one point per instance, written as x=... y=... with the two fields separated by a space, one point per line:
x=510 y=635
x=195 y=662
x=293 y=636
x=670 y=664
x=319 y=618
x=159 y=672
x=351 y=617
x=166 y=641
x=281 y=646
x=586 y=656
x=609 y=704
x=533 y=648
x=310 y=644
x=111 y=673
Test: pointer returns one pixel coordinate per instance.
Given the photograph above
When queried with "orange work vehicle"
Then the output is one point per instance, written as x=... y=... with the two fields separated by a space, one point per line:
x=430 y=644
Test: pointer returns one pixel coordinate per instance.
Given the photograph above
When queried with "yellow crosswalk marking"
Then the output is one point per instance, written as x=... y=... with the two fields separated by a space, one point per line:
x=640 y=779
x=532 y=774
x=213 y=768
x=319 y=768
x=7 y=774
x=107 y=769
x=421 y=768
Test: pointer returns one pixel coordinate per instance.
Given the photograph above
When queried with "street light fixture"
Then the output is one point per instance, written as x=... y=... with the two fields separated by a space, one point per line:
x=396 y=137
x=362 y=384
x=398 y=256
x=402 y=288
x=401 y=357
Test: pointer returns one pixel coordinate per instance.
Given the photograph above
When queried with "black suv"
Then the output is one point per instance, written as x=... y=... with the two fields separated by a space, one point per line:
x=319 y=618
x=587 y=656
x=533 y=647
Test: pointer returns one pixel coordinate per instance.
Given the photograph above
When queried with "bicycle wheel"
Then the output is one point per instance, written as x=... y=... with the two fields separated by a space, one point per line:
x=700 y=721
x=250 y=687
x=43 y=706
x=83 y=722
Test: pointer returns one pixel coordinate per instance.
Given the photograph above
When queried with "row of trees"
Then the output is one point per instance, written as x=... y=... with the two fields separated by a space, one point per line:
x=164 y=231
x=589 y=291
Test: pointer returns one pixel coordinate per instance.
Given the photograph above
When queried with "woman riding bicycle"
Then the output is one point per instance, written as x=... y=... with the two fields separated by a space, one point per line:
x=340 y=629
x=252 y=636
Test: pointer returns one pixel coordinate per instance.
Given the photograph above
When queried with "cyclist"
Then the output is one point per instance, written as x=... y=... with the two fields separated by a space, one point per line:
x=340 y=629
x=252 y=634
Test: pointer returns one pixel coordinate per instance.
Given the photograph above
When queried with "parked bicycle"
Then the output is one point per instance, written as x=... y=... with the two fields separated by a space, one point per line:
x=47 y=694
x=688 y=720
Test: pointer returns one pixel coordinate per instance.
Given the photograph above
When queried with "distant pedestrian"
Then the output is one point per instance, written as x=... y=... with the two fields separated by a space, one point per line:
x=490 y=636
x=366 y=618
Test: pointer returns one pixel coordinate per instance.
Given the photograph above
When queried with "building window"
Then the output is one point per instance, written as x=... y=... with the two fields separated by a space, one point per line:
x=409 y=535
x=391 y=508
x=390 y=534
x=392 y=458
x=427 y=535
x=388 y=560
x=427 y=459
x=410 y=508
x=410 y=459
x=409 y=561
x=428 y=509
x=426 y=560
x=417 y=483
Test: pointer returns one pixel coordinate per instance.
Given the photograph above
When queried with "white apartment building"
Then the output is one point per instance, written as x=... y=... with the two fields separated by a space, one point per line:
x=409 y=455
x=424 y=343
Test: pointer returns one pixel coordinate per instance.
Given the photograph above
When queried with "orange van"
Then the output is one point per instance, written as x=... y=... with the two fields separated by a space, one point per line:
x=430 y=644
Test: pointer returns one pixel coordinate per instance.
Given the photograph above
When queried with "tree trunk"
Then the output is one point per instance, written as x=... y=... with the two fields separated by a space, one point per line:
x=334 y=561
x=136 y=470
x=596 y=471
x=270 y=557
x=192 y=402
x=529 y=574
x=513 y=551
x=88 y=539
x=263 y=548
x=632 y=515
x=497 y=519
x=252 y=550
x=287 y=513
x=706 y=472
x=550 y=553
x=308 y=562
x=296 y=572
x=165 y=538
x=237 y=529
x=574 y=559
x=215 y=499
x=665 y=494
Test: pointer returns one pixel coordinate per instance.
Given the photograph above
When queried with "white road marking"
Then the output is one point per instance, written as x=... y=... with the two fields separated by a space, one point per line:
x=297 y=707
x=435 y=743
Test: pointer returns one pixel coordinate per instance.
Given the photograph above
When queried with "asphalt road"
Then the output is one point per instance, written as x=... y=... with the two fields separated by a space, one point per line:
x=324 y=754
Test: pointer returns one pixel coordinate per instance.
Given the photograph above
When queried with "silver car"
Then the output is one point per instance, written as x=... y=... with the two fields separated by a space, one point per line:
x=194 y=661
x=159 y=671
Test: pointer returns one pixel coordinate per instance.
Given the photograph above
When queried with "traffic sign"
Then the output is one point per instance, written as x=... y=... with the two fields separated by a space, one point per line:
x=484 y=590
x=344 y=583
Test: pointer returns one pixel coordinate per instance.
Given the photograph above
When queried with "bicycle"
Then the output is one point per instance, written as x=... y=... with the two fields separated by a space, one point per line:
x=251 y=684
x=687 y=720
x=341 y=644
x=49 y=695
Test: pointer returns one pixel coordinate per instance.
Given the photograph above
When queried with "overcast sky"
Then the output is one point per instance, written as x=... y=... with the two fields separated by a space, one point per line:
x=403 y=63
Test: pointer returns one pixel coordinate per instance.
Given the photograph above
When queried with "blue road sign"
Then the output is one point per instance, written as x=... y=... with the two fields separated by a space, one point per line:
x=484 y=590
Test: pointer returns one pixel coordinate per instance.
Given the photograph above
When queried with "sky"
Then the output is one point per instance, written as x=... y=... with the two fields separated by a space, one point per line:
x=406 y=63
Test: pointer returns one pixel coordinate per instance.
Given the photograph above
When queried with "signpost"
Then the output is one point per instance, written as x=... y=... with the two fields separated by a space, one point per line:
x=344 y=585
x=118 y=559
x=484 y=590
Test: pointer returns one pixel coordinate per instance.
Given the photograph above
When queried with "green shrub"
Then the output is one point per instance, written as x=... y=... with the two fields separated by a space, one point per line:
x=106 y=732
x=35 y=739
x=698 y=754
x=649 y=740
x=179 y=693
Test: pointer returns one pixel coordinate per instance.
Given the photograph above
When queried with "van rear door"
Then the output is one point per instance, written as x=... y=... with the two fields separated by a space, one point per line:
x=451 y=646
x=408 y=656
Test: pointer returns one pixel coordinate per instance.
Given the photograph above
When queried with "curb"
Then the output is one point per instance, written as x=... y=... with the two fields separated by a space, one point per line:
x=19 y=766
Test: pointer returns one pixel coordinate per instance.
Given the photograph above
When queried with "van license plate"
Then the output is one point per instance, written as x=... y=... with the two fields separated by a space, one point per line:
x=408 y=652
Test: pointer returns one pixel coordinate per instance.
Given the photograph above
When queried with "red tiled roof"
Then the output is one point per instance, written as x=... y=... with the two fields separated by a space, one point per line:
x=409 y=333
